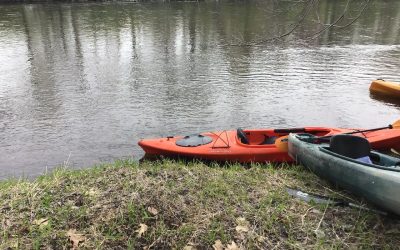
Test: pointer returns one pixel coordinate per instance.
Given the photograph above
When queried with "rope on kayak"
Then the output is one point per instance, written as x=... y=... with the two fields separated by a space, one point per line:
x=220 y=138
x=356 y=131
x=363 y=133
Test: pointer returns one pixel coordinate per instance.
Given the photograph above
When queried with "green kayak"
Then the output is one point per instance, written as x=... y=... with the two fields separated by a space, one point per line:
x=348 y=162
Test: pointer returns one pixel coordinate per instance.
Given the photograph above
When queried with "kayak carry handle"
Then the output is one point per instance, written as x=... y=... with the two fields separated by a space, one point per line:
x=289 y=130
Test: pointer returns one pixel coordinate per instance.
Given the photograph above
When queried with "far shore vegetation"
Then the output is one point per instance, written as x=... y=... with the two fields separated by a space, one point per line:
x=100 y=1
x=169 y=204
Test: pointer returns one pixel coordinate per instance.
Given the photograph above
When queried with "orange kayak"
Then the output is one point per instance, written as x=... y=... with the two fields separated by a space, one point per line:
x=250 y=145
x=382 y=87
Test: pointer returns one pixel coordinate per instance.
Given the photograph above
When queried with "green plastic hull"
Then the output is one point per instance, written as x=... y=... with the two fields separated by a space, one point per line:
x=376 y=184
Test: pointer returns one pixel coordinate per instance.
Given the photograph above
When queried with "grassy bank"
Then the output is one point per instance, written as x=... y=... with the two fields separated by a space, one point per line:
x=193 y=206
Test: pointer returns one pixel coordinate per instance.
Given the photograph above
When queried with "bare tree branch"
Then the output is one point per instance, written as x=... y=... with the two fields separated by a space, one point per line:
x=309 y=6
x=355 y=19
x=318 y=33
x=303 y=14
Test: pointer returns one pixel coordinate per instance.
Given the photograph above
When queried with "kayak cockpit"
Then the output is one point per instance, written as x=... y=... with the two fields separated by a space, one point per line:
x=357 y=149
x=268 y=137
x=384 y=160
x=377 y=160
x=256 y=137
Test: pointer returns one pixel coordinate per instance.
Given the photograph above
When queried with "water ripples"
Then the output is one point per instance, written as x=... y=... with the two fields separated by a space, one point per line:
x=87 y=84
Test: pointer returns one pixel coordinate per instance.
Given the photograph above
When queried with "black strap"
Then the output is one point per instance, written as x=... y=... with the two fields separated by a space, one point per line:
x=289 y=130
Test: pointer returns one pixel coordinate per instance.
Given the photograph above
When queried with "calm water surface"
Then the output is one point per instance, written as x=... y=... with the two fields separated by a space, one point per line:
x=82 y=83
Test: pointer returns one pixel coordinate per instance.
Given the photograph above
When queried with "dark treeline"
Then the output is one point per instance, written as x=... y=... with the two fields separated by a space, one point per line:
x=88 y=1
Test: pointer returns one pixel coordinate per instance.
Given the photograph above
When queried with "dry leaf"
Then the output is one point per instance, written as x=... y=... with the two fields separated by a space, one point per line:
x=319 y=233
x=93 y=192
x=242 y=221
x=143 y=228
x=41 y=222
x=232 y=246
x=189 y=248
x=242 y=225
x=261 y=239
x=152 y=210
x=242 y=229
x=75 y=238
x=6 y=223
x=218 y=245
x=315 y=211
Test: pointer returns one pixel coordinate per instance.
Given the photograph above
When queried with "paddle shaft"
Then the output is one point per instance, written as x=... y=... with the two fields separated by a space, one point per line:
x=282 y=142
x=303 y=130
x=329 y=201
x=359 y=131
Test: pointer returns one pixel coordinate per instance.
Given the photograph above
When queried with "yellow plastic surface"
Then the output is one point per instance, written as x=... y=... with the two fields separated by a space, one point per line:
x=385 y=88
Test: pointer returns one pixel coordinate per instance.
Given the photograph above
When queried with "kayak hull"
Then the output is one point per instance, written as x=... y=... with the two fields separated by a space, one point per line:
x=381 y=87
x=378 y=186
x=382 y=139
x=226 y=146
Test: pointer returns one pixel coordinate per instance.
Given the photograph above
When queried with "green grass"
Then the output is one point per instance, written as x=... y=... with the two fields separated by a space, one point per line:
x=182 y=205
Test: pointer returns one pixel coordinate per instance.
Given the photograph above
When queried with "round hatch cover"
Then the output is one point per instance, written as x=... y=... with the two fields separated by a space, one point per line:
x=193 y=140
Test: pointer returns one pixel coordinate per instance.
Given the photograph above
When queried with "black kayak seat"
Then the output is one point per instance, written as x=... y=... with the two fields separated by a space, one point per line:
x=242 y=136
x=269 y=140
x=351 y=146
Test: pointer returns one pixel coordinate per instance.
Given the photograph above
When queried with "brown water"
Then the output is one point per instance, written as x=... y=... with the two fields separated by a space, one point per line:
x=83 y=83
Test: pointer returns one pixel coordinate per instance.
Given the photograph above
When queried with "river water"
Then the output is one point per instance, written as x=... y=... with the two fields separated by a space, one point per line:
x=80 y=84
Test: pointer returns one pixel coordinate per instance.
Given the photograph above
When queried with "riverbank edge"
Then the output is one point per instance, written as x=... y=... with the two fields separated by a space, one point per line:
x=169 y=204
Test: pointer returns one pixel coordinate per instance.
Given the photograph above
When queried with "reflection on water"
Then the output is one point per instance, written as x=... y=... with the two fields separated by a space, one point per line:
x=84 y=82
x=388 y=100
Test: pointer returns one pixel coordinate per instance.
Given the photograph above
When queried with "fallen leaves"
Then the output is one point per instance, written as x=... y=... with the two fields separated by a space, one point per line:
x=319 y=233
x=93 y=192
x=152 y=210
x=242 y=225
x=75 y=238
x=241 y=228
x=218 y=245
x=143 y=228
x=232 y=246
